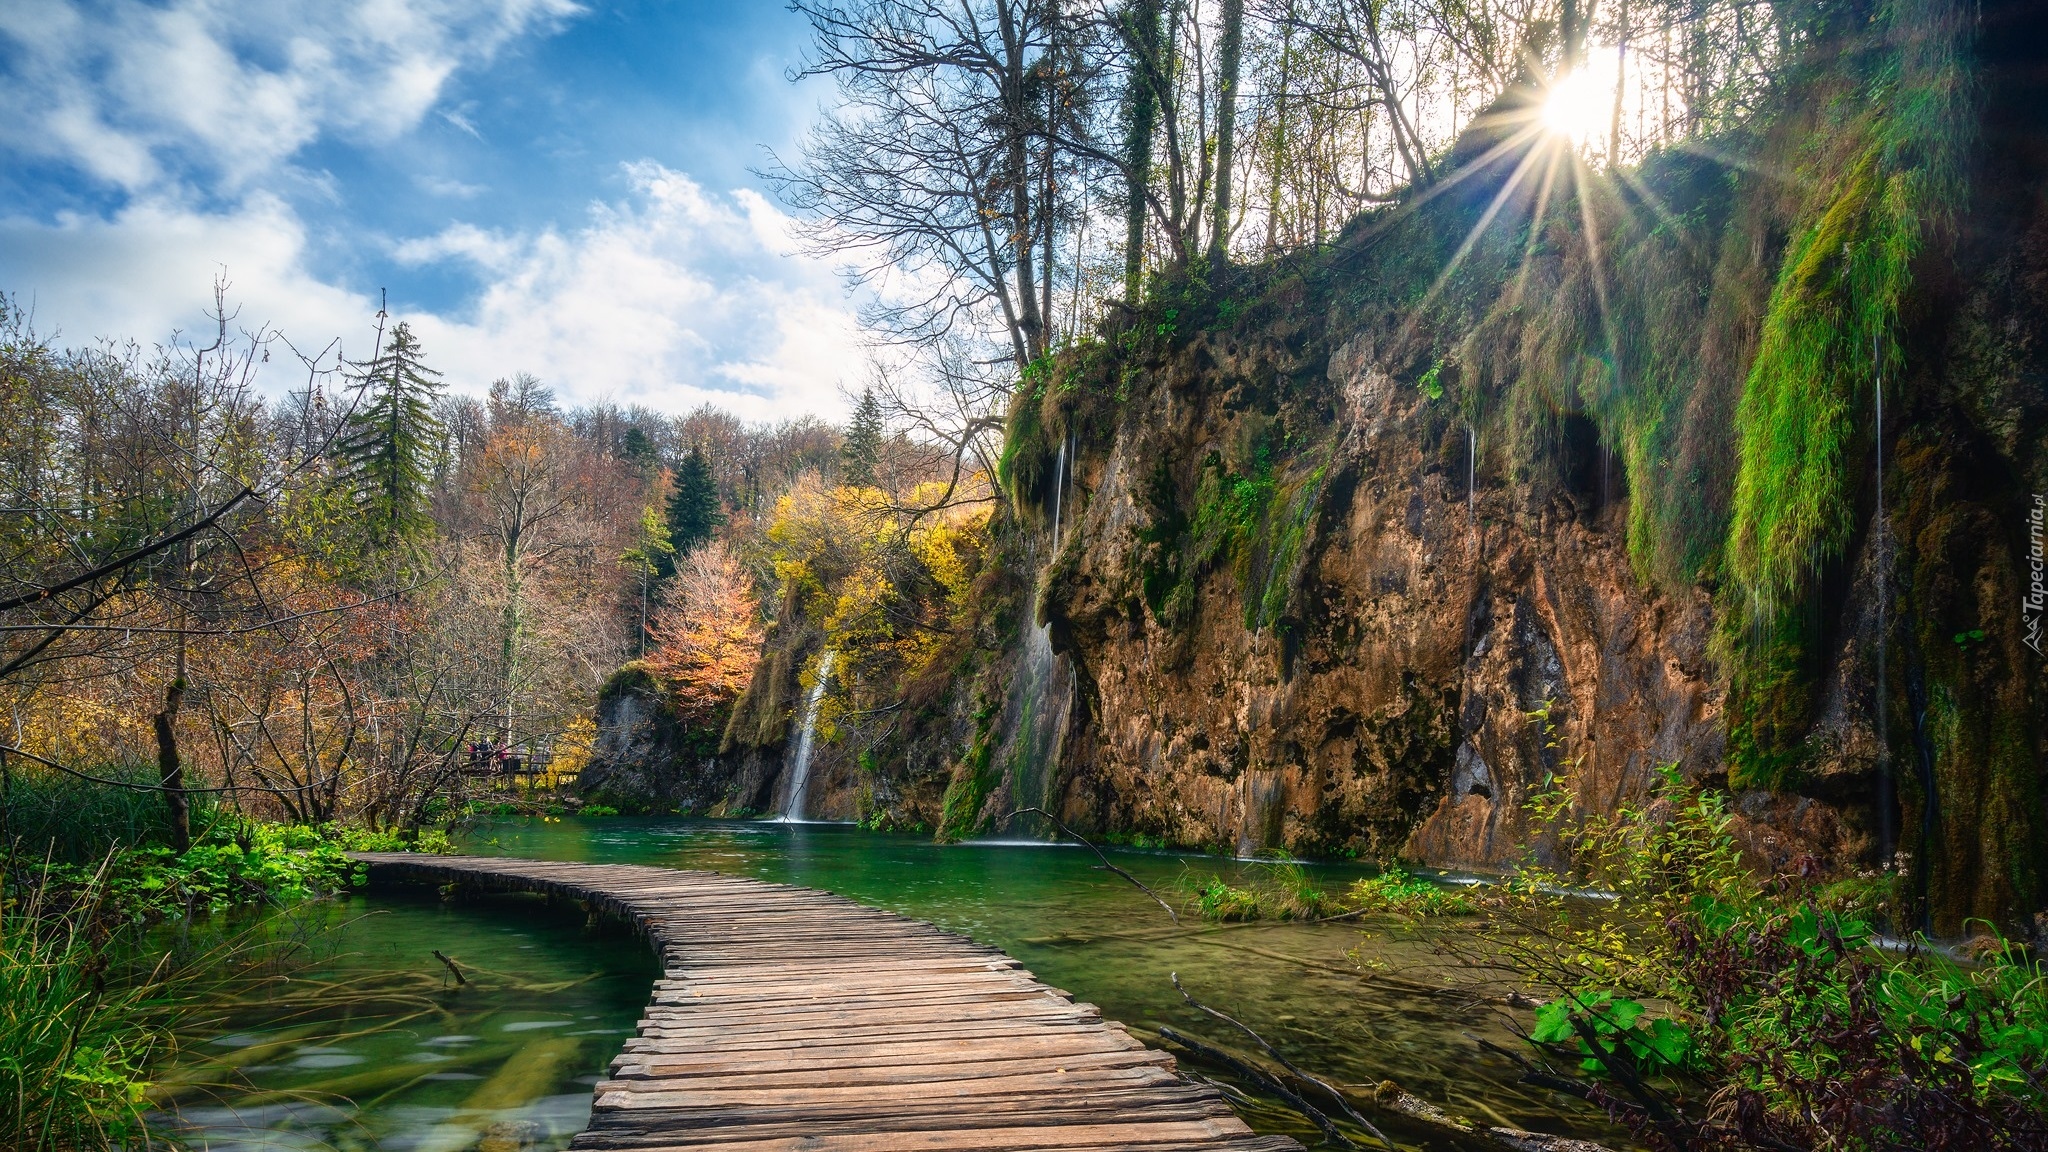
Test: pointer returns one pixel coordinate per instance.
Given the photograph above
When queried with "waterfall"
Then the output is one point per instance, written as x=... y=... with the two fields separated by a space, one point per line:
x=1471 y=474
x=1041 y=698
x=800 y=765
x=1059 y=488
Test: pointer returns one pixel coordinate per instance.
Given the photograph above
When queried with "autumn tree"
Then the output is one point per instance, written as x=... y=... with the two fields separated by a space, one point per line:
x=707 y=636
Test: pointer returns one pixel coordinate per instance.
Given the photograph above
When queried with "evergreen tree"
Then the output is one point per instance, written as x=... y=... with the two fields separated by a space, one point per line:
x=389 y=447
x=693 y=507
x=638 y=449
x=862 y=448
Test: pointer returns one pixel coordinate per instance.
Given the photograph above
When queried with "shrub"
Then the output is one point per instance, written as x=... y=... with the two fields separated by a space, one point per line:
x=1769 y=995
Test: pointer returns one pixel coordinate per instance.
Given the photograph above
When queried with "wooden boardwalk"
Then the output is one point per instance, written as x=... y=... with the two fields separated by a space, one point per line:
x=791 y=1020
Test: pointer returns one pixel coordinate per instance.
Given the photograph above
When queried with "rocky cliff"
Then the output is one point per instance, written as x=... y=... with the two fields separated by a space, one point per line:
x=1547 y=473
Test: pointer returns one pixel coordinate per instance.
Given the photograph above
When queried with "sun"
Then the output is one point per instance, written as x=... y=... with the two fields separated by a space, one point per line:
x=1575 y=107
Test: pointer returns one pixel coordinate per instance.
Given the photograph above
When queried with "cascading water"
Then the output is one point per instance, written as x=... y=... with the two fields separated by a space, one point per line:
x=800 y=763
x=1059 y=488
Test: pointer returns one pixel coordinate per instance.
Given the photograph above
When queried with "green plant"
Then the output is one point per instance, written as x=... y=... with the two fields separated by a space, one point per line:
x=1607 y=1030
x=1666 y=961
x=1431 y=384
x=1215 y=900
x=1398 y=892
x=598 y=810
x=59 y=816
x=74 y=1045
x=1281 y=890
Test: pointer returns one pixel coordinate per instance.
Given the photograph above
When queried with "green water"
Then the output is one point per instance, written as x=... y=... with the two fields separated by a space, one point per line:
x=364 y=1040
x=1351 y=1007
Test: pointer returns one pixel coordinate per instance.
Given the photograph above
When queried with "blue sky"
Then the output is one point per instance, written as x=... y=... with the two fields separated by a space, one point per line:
x=541 y=185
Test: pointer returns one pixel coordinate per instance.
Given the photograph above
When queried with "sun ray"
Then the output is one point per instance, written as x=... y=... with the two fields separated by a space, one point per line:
x=1471 y=240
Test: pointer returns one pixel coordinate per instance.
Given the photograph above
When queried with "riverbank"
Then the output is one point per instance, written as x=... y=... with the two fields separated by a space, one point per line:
x=93 y=989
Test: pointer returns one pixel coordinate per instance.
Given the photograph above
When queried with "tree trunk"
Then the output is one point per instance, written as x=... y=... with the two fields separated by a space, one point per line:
x=1141 y=38
x=1230 y=52
x=1620 y=90
x=1023 y=222
x=1280 y=158
x=170 y=770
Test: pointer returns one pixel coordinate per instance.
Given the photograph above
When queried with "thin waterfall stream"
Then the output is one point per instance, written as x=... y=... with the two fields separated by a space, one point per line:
x=800 y=763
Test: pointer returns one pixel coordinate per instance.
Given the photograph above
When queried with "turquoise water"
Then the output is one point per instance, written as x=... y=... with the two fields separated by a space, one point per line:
x=369 y=1042
x=559 y=998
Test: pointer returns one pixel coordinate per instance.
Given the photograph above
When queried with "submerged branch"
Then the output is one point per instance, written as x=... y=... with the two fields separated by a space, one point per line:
x=1090 y=845
x=1297 y=1073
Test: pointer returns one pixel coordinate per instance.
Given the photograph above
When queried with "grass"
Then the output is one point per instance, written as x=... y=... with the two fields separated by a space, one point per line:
x=85 y=867
x=1400 y=893
x=1282 y=890
x=75 y=1046
x=61 y=817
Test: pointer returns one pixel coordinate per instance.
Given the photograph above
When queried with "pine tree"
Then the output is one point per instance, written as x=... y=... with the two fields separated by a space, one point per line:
x=693 y=507
x=388 y=448
x=862 y=448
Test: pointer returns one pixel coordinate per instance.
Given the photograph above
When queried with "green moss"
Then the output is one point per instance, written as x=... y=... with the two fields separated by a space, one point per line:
x=973 y=780
x=1884 y=180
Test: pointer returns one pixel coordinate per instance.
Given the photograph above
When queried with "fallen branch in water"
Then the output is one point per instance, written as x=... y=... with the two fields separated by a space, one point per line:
x=457 y=972
x=1395 y=1098
x=1284 y=1062
x=1088 y=844
x=1263 y=1079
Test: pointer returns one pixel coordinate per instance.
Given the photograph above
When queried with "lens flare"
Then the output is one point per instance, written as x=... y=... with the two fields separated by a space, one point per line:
x=1576 y=107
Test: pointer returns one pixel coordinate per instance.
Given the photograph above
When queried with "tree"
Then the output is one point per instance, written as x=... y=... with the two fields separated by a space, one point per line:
x=522 y=486
x=1229 y=55
x=941 y=166
x=693 y=507
x=652 y=552
x=389 y=447
x=1138 y=24
x=521 y=399
x=861 y=451
x=708 y=634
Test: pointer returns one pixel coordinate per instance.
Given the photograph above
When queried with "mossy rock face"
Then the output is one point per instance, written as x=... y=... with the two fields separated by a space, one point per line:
x=648 y=757
x=1306 y=505
x=1967 y=696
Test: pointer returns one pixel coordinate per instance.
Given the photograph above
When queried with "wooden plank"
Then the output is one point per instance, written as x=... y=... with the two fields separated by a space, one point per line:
x=788 y=1018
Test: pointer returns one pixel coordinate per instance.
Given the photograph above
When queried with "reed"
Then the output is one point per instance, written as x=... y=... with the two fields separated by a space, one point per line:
x=74 y=1044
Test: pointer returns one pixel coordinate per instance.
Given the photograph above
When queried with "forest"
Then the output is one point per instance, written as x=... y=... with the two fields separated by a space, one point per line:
x=1528 y=512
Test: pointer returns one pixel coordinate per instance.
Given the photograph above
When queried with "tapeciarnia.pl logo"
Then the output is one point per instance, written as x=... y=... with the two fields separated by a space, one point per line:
x=2036 y=601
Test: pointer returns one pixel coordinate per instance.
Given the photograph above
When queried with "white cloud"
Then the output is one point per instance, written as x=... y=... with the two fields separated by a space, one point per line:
x=194 y=111
x=218 y=94
x=671 y=298
x=443 y=186
x=147 y=271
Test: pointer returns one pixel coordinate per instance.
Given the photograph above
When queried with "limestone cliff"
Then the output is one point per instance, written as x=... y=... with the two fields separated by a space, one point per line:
x=1348 y=551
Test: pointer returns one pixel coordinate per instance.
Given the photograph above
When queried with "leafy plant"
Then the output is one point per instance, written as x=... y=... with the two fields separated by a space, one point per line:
x=1769 y=993
x=1605 y=1029
x=1396 y=891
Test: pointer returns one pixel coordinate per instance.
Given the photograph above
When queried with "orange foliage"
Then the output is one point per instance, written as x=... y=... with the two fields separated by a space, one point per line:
x=707 y=635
